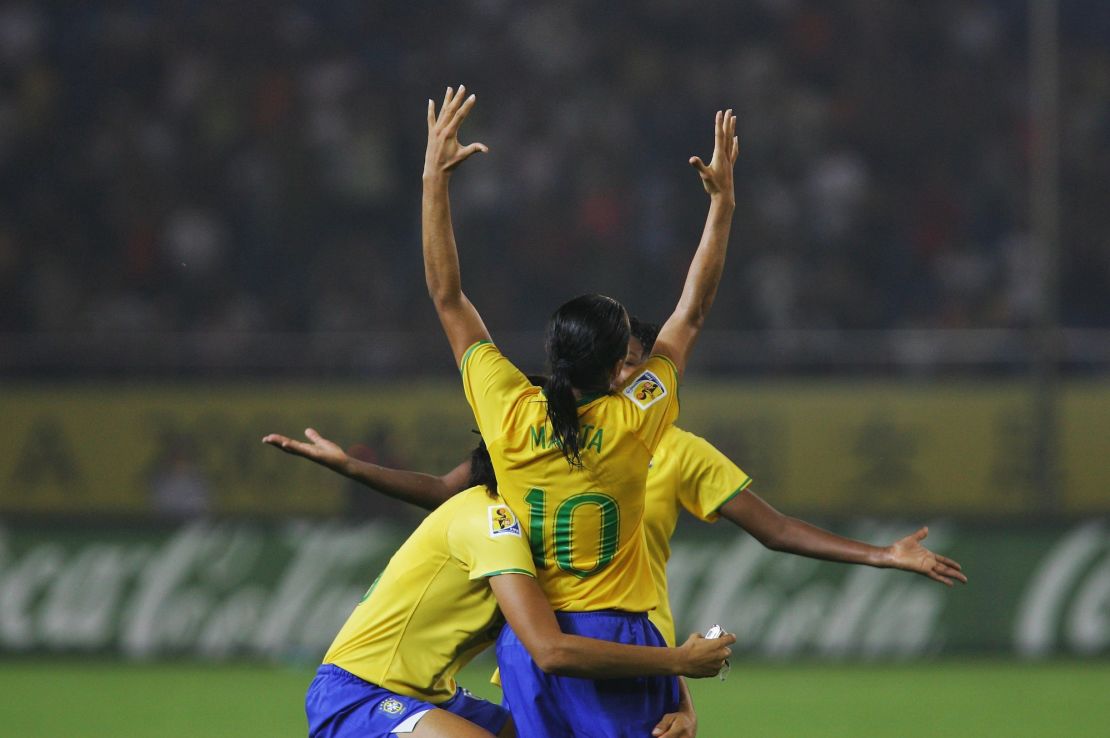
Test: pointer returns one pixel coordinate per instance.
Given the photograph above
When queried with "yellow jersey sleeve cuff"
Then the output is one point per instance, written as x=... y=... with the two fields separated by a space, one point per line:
x=487 y=575
x=716 y=512
x=468 y=352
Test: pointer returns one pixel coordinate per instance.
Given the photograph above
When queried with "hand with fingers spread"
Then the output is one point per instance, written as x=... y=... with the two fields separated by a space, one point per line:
x=717 y=176
x=461 y=322
x=908 y=554
x=444 y=151
x=319 y=449
x=679 y=332
x=428 y=491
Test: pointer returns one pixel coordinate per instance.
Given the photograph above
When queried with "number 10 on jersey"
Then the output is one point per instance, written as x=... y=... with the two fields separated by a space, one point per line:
x=567 y=548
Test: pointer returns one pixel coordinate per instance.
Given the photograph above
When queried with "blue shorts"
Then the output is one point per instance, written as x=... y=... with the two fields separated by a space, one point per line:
x=340 y=705
x=549 y=706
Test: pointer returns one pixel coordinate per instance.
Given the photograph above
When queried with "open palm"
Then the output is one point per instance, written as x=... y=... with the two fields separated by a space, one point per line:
x=908 y=554
x=319 y=449
x=444 y=151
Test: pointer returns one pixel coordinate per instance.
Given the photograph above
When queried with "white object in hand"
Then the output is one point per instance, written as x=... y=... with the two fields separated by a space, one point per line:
x=716 y=631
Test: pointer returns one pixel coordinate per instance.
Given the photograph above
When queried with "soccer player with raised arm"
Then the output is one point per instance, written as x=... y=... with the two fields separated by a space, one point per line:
x=571 y=458
x=686 y=472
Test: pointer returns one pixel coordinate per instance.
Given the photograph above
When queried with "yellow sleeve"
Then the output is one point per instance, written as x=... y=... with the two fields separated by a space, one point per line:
x=708 y=478
x=654 y=395
x=487 y=540
x=492 y=384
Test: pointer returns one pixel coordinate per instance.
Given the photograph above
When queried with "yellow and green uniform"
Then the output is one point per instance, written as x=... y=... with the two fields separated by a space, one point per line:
x=584 y=525
x=690 y=472
x=432 y=610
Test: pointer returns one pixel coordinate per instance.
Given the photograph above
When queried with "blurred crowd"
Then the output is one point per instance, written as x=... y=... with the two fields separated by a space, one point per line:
x=255 y=165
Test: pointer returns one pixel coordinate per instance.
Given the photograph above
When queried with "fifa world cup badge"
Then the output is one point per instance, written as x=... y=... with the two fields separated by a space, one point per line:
x=502 y=522
x=645 y=390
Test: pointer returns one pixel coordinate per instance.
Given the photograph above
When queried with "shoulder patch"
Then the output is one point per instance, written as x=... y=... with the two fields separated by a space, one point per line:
x=502 y=522
x=645 y=390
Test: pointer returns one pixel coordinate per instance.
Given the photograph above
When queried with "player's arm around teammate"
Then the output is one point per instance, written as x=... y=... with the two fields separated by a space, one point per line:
x=529 y=613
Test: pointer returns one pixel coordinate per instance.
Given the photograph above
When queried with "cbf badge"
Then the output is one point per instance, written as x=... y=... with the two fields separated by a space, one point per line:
x=645 y=390
x=502 y=522
x=391 y=706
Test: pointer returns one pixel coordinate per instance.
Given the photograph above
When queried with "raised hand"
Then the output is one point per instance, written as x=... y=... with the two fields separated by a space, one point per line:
x=717 y=177
x=444 y=151
x=320 y=450
x=705 y=657
x=908 y=554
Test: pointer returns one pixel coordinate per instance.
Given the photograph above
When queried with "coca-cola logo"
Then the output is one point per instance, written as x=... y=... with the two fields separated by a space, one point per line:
x=1067 y=603
x=781 y=605
x=210 y=590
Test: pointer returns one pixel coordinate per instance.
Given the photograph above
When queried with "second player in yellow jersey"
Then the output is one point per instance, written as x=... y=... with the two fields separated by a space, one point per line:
x=686 y=472
x=432 y=610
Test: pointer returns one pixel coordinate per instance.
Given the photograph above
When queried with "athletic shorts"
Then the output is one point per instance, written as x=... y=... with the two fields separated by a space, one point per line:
x=549 y=706
x=340 y=705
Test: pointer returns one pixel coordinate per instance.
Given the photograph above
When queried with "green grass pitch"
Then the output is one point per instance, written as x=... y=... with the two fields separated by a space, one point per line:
x=96 y=699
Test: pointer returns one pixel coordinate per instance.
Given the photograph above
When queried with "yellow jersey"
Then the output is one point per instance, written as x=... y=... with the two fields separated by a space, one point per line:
x=432 y=610
x=584 y=525
x=689 y=471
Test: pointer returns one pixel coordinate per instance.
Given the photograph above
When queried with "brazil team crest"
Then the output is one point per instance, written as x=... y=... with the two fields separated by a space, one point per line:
x=645 y=390
x=391 y=706
x=502 y=522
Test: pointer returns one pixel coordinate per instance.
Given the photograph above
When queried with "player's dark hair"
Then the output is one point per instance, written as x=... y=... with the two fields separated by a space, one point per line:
x=481 y=469
x=644 y=332
x=586 y=337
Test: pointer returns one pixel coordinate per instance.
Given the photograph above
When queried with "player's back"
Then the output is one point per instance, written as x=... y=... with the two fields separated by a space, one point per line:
x=432 y=610
x=584 y=524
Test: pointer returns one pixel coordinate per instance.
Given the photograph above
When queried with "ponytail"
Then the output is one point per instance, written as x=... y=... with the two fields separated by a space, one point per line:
x=562 y=412
x=586 y=338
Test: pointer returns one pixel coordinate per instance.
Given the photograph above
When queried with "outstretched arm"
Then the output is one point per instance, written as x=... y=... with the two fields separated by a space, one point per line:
x=461 y=322
x=529 y=613
x=423 y=490
x=780 y=532
x=677 y=336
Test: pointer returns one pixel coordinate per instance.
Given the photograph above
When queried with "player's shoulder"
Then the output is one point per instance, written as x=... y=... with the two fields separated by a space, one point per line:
x=681 y=439
x=652 y=383
x=468 y=502
x=690 y=446
x=477 y=350
x=477 y=512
